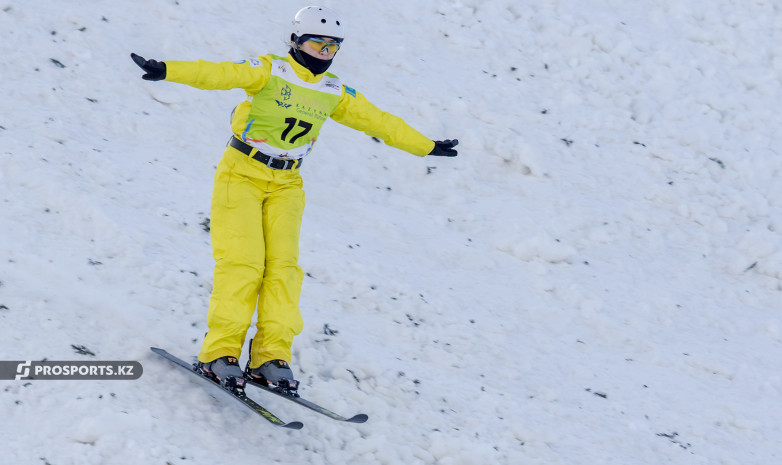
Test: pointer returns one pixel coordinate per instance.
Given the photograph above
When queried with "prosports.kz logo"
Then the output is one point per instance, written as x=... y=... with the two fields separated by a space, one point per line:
x=23 y=370
x=69 y=370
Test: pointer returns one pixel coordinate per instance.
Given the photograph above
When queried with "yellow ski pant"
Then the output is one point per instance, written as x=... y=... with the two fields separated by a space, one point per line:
x=255 y=224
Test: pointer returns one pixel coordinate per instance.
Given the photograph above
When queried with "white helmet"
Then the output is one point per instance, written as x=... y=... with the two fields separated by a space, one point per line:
x=317 y=21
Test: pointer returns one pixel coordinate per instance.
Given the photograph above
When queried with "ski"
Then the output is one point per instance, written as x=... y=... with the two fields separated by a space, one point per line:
x=236 y=393
x=294 y=396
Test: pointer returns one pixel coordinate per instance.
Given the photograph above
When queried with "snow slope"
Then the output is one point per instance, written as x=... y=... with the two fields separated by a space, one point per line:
x=595 y=279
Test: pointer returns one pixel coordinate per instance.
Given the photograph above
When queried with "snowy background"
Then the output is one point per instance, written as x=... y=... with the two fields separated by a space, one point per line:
x=596 y=279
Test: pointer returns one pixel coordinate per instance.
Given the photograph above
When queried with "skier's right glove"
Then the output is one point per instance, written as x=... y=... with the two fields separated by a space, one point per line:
x=444 y=148
x=156 y=70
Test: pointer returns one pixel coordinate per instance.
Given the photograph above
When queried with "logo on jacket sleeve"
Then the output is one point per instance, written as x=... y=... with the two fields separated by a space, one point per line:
x=254 y=62
x=350 y=91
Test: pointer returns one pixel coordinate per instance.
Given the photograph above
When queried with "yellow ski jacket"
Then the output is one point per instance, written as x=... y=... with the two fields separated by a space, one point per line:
x=352 y=109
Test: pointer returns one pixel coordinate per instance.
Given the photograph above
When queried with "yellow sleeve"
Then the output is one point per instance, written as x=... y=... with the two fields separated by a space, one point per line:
x=251 y=75
x=355 y=111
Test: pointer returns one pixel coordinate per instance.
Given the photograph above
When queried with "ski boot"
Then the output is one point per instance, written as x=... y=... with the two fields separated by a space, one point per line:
x=276 y=374
x=224 y=371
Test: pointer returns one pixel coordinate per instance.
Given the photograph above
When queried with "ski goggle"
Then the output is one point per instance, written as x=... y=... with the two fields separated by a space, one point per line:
x=322 y=45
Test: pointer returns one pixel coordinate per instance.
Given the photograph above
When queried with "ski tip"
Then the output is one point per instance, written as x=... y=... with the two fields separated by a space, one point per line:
x=156 y=350
x=360 y=418
x=294 y=425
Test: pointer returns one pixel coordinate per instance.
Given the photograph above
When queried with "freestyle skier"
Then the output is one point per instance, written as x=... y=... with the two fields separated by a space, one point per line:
x=258 y=201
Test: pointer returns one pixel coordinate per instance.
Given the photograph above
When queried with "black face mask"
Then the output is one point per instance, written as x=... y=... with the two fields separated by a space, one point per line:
x=313 y=64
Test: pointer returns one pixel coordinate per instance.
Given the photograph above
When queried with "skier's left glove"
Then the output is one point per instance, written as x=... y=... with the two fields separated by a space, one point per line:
x=444 y=148
x=156 y=70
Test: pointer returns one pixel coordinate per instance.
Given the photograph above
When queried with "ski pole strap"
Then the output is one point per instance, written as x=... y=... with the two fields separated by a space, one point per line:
x=271 y=162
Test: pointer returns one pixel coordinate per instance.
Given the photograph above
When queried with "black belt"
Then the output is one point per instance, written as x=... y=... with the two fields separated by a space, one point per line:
x=271 y=162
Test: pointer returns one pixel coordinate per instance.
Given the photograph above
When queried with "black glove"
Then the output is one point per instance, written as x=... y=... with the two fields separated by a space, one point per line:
x=156 y=70
x=444 y=148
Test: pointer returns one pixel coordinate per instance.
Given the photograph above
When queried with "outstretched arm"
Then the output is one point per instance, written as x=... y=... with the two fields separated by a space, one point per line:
x=250 y=75
x=356 y=112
